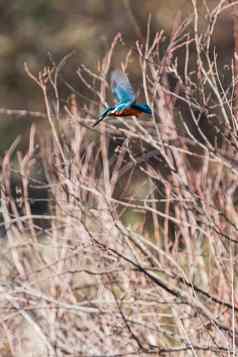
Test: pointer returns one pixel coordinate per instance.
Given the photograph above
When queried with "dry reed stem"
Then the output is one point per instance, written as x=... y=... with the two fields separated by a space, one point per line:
x=95 y=285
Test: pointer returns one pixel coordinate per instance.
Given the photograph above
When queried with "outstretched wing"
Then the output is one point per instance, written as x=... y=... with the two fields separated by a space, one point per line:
x=121 y=87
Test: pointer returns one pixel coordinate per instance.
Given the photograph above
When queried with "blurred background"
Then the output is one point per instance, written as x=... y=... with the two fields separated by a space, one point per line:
x=42 y=30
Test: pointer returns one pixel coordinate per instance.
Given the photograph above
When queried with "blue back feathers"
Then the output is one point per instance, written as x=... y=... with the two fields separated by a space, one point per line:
x=142 y=107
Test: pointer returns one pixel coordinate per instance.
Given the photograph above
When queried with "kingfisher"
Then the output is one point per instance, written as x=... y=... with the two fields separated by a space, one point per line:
x=125 y=97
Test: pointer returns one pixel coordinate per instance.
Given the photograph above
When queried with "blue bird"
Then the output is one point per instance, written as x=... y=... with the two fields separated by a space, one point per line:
x=125 y=97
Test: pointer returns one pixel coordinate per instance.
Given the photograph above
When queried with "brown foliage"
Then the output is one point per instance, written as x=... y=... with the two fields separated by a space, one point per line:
x=139 y=255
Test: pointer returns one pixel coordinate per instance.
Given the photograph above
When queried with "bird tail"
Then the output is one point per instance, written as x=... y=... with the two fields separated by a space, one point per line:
x=98 y=121
x=102 y=116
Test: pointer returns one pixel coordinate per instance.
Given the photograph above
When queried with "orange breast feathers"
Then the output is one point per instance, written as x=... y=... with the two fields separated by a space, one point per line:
x=127 y=112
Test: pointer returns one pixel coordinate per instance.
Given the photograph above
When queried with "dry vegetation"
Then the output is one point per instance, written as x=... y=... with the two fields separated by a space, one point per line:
x=138 y=251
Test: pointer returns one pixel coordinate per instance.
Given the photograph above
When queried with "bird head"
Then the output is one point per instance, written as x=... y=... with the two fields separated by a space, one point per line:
x=147 y=109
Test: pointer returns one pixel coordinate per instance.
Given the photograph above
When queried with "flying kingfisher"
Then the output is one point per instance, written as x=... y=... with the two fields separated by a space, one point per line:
x=125 y=97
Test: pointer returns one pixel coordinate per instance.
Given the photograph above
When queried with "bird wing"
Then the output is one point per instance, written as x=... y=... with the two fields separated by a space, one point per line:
x=121 y=87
